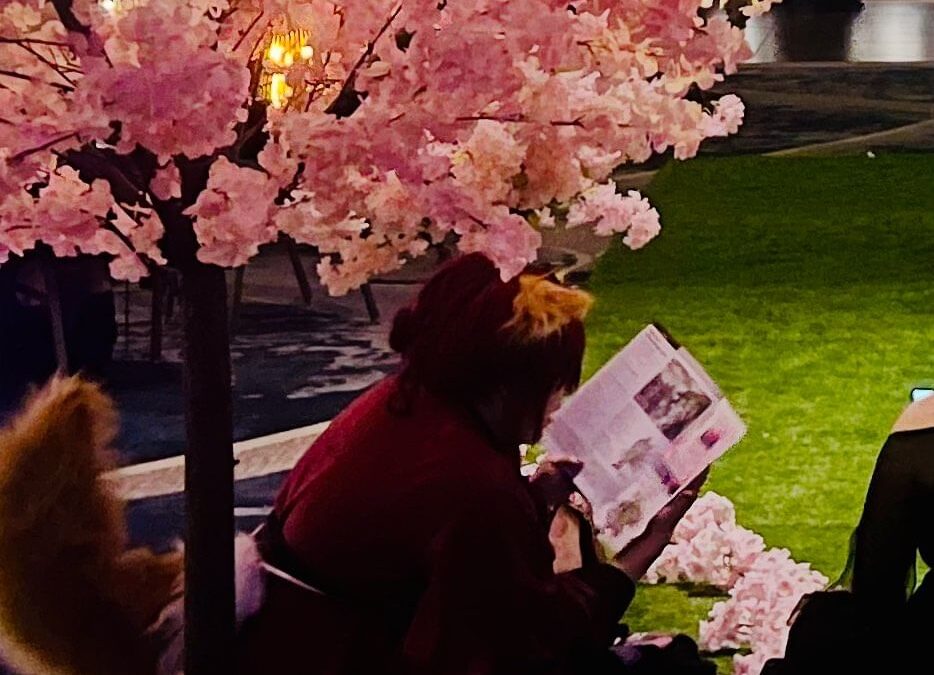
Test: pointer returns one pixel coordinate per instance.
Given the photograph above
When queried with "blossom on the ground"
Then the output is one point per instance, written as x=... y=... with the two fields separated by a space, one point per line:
x=765 y=586
x=708 y=547
x=759 y=608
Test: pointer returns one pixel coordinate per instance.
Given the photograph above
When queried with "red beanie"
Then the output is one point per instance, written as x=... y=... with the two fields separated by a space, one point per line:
x=469 y=333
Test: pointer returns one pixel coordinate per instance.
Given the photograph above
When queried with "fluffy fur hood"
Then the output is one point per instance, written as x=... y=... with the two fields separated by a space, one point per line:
x=74 y=600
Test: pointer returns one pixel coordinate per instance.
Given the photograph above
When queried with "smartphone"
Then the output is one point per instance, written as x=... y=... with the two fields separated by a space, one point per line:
x=919 y=393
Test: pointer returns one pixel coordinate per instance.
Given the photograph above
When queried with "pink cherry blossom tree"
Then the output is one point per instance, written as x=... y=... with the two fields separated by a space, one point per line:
x=191 y=132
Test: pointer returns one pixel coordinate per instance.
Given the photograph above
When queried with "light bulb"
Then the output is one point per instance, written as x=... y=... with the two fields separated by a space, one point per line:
x=307 y=52
x=279 y=90
x=276 y=52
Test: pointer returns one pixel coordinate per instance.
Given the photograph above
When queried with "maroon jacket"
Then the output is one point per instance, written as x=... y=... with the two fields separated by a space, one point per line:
x=431 y=554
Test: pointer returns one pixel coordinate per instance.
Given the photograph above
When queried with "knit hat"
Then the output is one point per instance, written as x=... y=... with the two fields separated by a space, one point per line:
x=469 y=334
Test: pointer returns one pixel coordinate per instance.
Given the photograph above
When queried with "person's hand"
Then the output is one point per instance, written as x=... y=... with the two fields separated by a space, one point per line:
x=553 y=482
x=644 y=550
x=565 y=538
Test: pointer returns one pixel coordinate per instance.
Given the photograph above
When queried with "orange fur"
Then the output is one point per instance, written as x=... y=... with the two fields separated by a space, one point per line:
x=542 y=308
x=73 y=599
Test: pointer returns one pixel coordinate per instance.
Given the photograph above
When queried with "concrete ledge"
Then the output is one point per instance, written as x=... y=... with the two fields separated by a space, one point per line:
x=256 y=457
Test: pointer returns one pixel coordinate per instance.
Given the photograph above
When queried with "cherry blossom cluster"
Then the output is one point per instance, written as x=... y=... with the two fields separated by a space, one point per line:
x=759 y=610
x=764 y=586
x=396 y=123
x=708 y=547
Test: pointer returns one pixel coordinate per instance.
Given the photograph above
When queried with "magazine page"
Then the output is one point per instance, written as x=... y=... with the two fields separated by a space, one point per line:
x=642 y=428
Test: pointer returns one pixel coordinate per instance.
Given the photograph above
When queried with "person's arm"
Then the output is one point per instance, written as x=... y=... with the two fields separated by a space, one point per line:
x=493 y=603
x=644 y=550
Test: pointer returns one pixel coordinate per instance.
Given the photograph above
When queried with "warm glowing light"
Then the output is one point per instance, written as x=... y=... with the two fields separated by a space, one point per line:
x=286 y=48
x=275 y=53
x=282 y=52
x=118 y=6
x=279 y=91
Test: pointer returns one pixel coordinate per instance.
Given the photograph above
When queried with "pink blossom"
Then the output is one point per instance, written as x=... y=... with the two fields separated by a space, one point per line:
x=708 y=547
x=232 y=217
x=547 y=178
x=127 y=267
x=611 y=212
x=759 y=607
x=486 y=163
x=68 y=213
x=643 y=226
x=727 y=116
x=506 y=239
x=166 y=184
x=390 y=201
x=758 y=7
x=597 y=162
x=486 y=110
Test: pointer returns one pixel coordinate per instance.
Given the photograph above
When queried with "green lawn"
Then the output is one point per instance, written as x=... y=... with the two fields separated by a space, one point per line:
x=805 y=287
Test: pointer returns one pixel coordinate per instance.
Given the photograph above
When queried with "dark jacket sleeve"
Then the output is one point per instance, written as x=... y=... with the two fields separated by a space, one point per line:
x=888 y=533
x=493 y=604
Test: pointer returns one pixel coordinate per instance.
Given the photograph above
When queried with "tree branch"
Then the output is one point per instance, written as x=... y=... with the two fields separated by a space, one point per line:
x=33 y=41
x=20 y=156
x=248 y=30
x=54 y=67
x=30 y=78
x=110 y=227
x=94 y=163
x=348 y=99
x=71 y=23
x=67 y=16
x=518 y=119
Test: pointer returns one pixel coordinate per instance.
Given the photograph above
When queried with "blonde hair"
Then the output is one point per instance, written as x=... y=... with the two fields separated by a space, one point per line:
x=542 y=308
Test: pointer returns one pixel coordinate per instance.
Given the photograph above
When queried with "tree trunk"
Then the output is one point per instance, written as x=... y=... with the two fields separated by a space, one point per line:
x=155 y=317
x=53 y=299
x=209 y=555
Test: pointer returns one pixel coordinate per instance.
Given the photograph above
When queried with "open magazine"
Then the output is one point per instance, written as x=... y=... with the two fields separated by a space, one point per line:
x=648 y=423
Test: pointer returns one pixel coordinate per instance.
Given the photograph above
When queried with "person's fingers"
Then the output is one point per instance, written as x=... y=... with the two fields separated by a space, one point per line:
x=552 y=485
x=564 y=536
x=696 y=484
x=560 y=523
x=568 y=467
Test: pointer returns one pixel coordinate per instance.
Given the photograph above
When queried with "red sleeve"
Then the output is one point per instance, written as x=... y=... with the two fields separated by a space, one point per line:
x=493 y=604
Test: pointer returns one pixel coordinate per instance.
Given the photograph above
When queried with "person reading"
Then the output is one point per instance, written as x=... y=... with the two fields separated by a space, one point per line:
x=427 y=550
